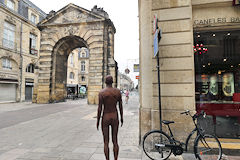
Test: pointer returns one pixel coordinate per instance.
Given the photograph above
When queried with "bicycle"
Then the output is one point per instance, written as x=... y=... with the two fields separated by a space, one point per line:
x=158 y=145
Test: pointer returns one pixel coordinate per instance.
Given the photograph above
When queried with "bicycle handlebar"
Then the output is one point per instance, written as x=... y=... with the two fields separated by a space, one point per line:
x=196 y=115
x=186 y=112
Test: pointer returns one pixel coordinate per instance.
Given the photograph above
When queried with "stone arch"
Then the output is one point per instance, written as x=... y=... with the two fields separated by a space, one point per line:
x=63 y=31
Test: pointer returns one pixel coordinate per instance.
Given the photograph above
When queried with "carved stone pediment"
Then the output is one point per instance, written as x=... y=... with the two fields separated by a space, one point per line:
x=71 y=14
x=71 y=30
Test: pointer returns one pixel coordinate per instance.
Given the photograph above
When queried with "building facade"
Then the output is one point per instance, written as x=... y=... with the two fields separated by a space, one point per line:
x=199 y=64
x=72 y=73
x=19 y=49
x=83 y=65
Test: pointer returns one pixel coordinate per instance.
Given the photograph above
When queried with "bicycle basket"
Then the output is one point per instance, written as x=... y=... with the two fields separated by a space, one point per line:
x=206 y=124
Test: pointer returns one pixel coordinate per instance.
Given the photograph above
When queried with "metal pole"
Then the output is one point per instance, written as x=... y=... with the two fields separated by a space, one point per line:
x=159 y=92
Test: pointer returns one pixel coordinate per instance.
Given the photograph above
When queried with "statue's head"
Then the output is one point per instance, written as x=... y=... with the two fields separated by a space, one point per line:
x=109 y=80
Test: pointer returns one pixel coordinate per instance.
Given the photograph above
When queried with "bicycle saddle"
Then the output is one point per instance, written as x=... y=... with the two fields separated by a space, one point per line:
x=167 y=122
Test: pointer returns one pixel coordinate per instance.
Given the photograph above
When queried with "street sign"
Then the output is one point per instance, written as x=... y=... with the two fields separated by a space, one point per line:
x=136 y=68
x=155 y=43
x=137 y=77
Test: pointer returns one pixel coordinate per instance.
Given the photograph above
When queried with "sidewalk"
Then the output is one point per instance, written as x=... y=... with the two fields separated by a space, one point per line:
x=72 y=135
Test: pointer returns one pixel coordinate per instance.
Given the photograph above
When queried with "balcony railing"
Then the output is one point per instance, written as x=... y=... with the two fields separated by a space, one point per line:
x=33 y=51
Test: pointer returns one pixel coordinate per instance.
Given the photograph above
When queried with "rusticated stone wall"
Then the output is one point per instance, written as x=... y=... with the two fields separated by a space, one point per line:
x=176 y=65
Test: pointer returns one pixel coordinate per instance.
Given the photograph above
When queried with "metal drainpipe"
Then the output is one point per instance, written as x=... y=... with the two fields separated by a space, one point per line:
x=21 y=62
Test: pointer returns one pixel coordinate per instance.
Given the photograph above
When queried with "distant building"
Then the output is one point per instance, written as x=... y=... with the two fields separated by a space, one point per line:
x=19 y=49
x=125 y=82
x=72 y=73
x=77 y=72
x=83 y=65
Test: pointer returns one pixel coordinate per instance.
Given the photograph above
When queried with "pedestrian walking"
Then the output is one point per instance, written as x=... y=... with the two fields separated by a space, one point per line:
x=109 y=97
x=127 y=97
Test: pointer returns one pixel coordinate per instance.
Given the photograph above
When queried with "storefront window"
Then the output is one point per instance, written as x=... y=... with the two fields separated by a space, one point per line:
x=217 y=80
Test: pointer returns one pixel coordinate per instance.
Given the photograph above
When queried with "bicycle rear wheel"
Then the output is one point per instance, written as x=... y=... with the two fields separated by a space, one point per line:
x=154 y=145
x=207 y=147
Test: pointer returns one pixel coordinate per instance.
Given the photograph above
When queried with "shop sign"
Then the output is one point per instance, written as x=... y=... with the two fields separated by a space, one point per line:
x=217 y=20
x=29 y=84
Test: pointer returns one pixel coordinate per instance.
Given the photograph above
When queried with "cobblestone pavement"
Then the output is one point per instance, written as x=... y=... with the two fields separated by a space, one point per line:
x=65 y=131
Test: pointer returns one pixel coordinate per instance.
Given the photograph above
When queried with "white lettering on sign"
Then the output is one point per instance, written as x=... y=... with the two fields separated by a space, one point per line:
x=217 y=21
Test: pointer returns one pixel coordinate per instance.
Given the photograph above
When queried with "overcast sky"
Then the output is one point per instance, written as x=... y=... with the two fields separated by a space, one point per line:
x=123 y=13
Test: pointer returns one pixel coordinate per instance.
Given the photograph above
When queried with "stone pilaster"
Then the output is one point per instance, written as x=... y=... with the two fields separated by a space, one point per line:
x=176 y=65
x=146 y=93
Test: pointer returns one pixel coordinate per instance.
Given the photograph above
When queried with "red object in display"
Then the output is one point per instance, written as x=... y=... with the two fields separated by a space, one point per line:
x=199 y=49
x=219 y=109
x=236 y=97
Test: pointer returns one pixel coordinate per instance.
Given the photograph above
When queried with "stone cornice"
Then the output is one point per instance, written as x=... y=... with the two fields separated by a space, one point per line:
x=66 y=24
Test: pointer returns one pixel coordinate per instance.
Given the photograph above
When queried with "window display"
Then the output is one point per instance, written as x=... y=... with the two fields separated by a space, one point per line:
x=217 y=80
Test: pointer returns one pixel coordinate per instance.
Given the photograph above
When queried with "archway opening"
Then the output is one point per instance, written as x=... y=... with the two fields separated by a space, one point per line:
x=59 y=75
x=78 y=73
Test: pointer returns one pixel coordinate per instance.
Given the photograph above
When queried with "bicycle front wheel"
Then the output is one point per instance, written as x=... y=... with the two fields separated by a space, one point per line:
x=154 y=145
x=207 y=147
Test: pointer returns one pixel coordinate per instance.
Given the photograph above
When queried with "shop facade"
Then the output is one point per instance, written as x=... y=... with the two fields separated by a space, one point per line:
x=199 y=63
x=217 y=66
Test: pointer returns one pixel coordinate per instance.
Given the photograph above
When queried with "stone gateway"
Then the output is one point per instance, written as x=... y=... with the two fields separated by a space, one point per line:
x=63 y=31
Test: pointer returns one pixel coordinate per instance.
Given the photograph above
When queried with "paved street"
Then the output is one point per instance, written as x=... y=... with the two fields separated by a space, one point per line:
x=62 y=131
x=65 y=131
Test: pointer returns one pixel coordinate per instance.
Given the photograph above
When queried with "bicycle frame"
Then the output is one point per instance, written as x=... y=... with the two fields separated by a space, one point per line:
x=188 y=138
x=196 y=129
